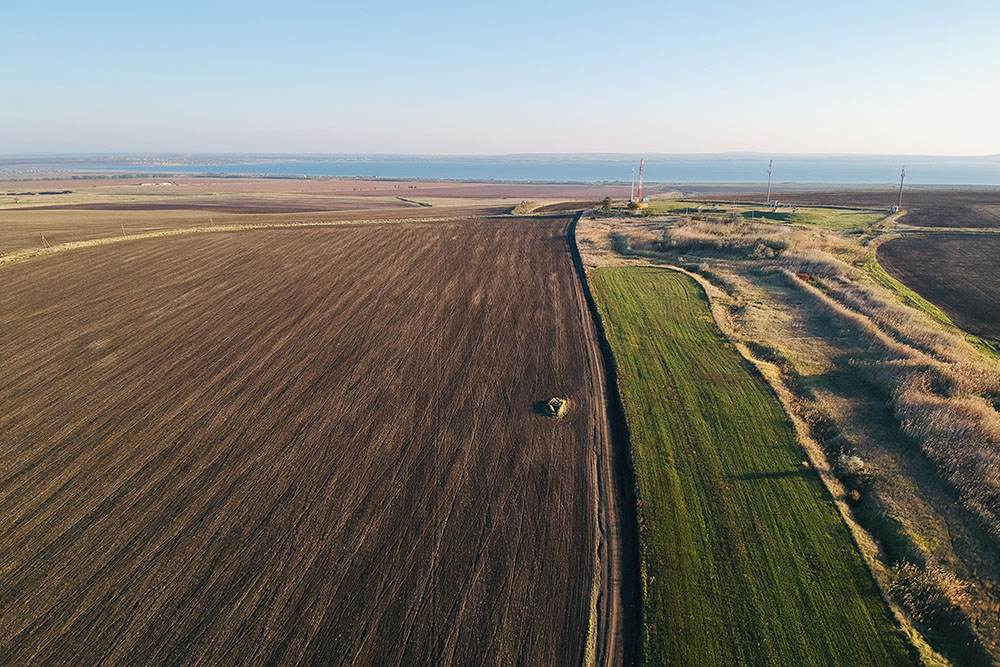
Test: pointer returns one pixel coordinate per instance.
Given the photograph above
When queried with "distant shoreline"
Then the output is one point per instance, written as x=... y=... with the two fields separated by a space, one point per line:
x=45 y=175
x=729 y=169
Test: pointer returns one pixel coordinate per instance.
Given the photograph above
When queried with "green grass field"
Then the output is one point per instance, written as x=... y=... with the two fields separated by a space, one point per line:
x=840 y=220
x=746 y=560
x=662 y=206
x=837 y=219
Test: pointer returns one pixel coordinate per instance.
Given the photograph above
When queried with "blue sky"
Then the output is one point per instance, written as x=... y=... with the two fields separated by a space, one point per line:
x=469 y=78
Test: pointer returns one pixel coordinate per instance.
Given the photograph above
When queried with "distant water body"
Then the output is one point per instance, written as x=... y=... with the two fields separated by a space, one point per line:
x=871 y=171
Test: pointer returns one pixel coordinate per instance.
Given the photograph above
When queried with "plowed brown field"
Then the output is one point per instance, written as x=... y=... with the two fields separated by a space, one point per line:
x=315 y=445
x=980 y=216
x=956 y=272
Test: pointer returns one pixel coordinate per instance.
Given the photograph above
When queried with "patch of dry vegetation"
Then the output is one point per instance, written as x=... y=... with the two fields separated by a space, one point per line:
x=939 y=395
x=735 y=235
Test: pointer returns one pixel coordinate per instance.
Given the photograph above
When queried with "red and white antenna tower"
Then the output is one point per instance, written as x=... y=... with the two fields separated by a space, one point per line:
x=641 y=162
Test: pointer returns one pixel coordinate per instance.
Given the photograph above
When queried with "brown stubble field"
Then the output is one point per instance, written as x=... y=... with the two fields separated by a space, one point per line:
x=24 y=230
x=188 y=186
x=299 y=446
x=99 y=208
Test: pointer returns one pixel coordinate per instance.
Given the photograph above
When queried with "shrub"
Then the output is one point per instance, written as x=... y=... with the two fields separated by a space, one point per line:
x=765 y=352
x=619 y=243
x=851 y=465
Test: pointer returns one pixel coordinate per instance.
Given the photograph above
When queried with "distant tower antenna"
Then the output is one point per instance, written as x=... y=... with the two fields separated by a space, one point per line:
x=770 y=170
x=641 y=162
x=631 y=192
x=902 y=175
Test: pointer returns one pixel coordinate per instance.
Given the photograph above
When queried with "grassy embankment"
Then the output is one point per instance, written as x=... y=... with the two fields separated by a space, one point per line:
x=746 y=560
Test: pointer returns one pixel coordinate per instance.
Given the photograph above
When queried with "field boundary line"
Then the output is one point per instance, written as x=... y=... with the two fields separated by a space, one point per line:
x=617 y=495
x=863 y=540
x=22 y=255
x=912 y=230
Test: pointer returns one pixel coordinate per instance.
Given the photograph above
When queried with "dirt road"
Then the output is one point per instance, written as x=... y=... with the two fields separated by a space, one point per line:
x=618 y=603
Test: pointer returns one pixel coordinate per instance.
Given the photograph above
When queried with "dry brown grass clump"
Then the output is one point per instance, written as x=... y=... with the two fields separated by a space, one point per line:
x=934 y=597
x=733 y=235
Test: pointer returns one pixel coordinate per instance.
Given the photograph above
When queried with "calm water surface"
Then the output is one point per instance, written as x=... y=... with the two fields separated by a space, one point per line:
x=842 y=170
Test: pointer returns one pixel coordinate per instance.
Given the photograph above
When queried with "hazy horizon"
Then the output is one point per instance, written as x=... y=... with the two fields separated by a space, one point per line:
x=606 y=155
x=557 y=168
x=457 y=79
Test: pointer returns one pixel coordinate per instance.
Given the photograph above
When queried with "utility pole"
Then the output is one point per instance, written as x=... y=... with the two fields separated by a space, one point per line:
x=899 y=202
x=631 y=192
x=641 y=161
x=770 y=170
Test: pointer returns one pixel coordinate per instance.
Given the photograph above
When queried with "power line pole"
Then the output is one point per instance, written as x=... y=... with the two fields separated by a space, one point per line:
x=641 y=161
x=770 y=170
x=899 y=202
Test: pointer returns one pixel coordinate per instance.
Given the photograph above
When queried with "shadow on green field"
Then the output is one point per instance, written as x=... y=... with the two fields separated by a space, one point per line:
x=776 y=216
x=777 y=474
